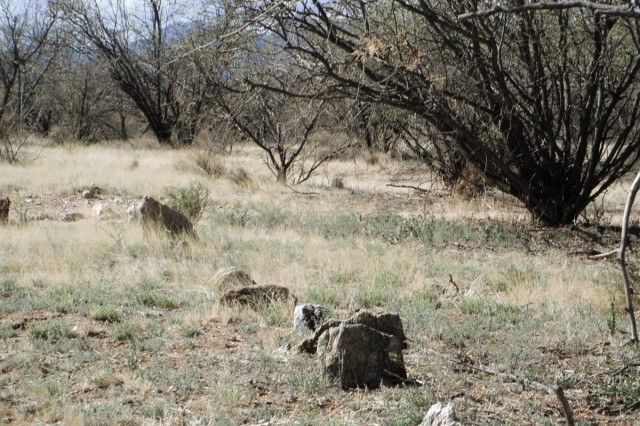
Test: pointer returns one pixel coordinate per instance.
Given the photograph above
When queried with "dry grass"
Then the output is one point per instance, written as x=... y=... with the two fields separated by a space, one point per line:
x=101 y=325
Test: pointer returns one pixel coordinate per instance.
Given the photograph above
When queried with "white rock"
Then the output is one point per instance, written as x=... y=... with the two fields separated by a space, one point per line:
x=102 y=211
x=133 y=212
x=441 y=415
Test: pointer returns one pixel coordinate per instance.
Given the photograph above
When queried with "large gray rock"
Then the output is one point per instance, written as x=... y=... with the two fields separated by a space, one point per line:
x=441 y=415
x=307 y=317
x=355 y=355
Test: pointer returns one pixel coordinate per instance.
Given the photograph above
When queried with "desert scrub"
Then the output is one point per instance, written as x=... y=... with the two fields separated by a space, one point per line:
x=7 y=288
x=152 y=295
x=191 y=200
x=53 y=336
x=107 y=314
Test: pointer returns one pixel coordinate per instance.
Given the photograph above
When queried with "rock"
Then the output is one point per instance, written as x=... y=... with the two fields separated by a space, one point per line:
x=355 y=355
x=441 y=415
x=389 y=323
x=102 y=211
x=307 y=317
x=158 y=216
x=5 y=205
x=133 y=212
x=256 y=295
x=228 y=278
x=72 y=217
x=87 y=194
x=385 y=322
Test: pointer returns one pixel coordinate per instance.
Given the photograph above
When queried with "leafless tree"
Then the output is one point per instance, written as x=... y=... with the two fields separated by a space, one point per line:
x=27 y=50
x=144 y=45
x=283 y=128
x=543 y=103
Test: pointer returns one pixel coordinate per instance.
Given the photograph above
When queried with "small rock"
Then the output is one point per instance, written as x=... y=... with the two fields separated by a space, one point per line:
x=228 y=278
x=160 y=217
x=87 y=194
x=133 y=212
x=72 y=217
x=5 y=205
x=102 y=211
x=307 y=317
x=256 y=295
x=441 y=415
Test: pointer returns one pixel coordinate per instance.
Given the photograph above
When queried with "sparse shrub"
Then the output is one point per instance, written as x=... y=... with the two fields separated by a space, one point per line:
x=611 y=318
x=275 y=314
x=190 y=331
x=152 y=299
x=210 y=165
x=107 y=314
x=337 y=182
x=154 y=411
x=7 y=287
x=240 y=177
x=148 y=296
x=502 y=312
x=124 y=332
x=190 y=201
x=53 y=331
x=133 y=354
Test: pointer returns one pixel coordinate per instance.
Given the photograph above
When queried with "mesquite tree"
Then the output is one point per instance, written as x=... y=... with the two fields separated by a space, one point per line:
x=144 y=43
x=543 y=103
x=27 y=49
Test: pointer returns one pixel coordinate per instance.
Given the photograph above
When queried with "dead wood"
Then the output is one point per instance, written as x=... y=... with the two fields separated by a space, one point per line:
x=635 y=186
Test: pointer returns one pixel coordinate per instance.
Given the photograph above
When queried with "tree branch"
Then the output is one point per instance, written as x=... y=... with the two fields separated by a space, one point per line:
x=598 y=8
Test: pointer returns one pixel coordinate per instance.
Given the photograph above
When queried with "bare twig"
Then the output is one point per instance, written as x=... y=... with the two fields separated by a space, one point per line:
x=408 y=186
x=509 y=376
x=635 y=186
x=604 y=255
x=301 y=192
x=454 y=284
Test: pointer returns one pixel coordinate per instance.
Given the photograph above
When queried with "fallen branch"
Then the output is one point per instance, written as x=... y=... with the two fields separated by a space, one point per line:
x=568 y=413
x=417 y=188
x=509 y=376
x=301 y=192
x=635 y=186
x=604 y=255
x=548 y=389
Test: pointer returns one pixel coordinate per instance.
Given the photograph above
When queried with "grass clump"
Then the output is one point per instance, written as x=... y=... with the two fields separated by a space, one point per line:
x=191 y=200
x=107 y=314
x=150 y=296
x=52 y=331
x=124 y=332
x=7 y=288
x=152 y=299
